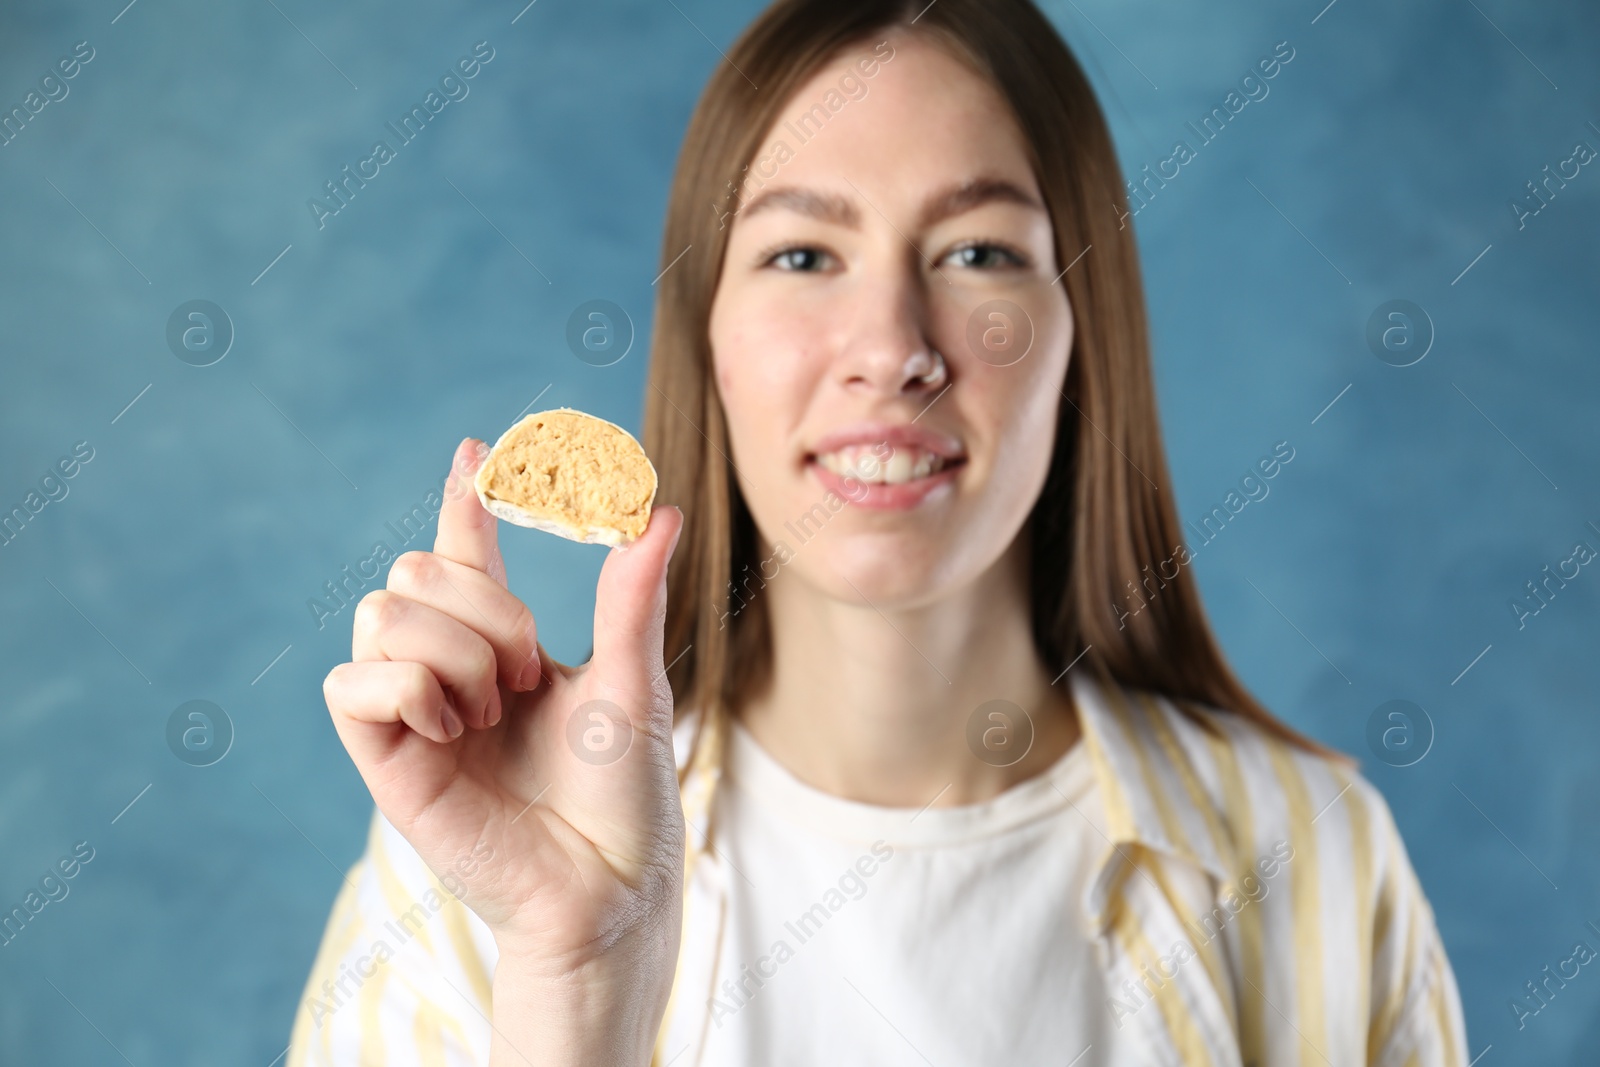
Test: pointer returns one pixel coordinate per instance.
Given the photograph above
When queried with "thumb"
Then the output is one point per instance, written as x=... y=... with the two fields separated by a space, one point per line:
x=630 y=611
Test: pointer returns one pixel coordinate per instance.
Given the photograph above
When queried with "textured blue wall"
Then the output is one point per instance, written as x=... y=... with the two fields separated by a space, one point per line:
x=1382 y=565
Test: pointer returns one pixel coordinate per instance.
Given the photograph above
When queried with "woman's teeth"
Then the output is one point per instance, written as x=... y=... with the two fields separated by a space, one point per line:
x=865 y=463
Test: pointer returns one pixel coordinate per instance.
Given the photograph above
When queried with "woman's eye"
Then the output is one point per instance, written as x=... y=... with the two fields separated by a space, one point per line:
x=798 y=259
x=984 y=255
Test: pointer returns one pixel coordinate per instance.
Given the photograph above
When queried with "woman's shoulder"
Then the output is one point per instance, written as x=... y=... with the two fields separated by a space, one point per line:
x=1229 y=791
x=1304 y=837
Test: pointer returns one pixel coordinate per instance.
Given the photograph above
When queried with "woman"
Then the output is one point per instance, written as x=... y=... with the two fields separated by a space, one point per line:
x=958 y=774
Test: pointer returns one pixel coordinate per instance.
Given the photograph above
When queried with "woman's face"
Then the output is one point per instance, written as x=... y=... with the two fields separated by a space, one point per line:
x=886 y=216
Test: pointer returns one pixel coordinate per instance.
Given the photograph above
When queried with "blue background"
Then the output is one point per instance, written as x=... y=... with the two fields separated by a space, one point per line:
x=433 y=306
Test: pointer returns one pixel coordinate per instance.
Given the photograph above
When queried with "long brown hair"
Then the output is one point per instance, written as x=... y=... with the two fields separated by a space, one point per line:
x=1105 y=521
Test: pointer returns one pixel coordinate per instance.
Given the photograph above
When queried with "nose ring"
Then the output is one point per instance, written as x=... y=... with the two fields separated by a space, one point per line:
x=937 y=373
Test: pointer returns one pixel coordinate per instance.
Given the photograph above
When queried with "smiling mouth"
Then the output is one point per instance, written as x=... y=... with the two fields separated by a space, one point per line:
x=882 y=464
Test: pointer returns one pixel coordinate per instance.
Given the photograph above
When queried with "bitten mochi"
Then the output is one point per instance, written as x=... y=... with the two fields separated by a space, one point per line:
x=572 y=474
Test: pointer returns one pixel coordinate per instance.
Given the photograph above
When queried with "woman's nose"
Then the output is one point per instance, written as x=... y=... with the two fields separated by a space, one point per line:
x=887 y=349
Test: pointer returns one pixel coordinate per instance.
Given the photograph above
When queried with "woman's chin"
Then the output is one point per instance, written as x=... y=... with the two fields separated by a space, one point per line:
x=884 y=571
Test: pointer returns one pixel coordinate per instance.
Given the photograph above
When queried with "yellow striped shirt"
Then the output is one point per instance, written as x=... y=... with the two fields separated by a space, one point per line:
x=1255 y=901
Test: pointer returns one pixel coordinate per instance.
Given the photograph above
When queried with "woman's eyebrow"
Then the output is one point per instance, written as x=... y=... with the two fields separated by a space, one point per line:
x=967 y=195
x=942 y=204
x=825 y=207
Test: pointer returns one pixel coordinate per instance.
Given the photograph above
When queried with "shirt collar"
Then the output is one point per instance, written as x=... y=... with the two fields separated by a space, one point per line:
x=1151 y=789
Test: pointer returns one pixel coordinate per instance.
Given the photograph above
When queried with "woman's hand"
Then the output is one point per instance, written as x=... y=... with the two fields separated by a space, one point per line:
x=468 y=735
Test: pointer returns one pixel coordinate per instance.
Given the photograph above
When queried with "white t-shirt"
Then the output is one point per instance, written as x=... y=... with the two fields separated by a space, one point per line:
x=859 y=934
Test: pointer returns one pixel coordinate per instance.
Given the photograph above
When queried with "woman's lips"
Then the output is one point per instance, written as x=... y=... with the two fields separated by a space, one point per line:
x=901 y=497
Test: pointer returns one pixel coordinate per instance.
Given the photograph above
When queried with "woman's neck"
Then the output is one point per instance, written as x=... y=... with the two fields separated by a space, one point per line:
x=874 y=705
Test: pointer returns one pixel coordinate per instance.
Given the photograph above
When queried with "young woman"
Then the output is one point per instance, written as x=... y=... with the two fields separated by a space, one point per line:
x=921 y=751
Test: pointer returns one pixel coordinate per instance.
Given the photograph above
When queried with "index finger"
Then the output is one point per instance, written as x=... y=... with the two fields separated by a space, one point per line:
x=468 y=534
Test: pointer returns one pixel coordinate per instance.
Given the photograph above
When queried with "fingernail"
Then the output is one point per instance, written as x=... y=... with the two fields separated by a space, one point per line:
x=682 y=522
x=531 y=672
x=452 y=722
